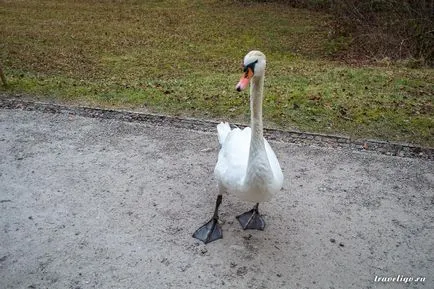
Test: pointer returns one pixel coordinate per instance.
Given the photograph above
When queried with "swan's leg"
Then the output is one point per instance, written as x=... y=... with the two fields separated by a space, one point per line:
x=252 y=219
x=211 y=231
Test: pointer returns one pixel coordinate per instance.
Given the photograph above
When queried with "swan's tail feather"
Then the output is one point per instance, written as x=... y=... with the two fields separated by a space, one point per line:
x=223 y=130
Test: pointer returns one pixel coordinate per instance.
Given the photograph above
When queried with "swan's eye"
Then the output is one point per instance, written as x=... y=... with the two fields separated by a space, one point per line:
x=251 y=66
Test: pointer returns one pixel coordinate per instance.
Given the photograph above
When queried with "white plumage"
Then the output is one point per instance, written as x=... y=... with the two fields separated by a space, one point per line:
x=231 y=172
x=247 y=165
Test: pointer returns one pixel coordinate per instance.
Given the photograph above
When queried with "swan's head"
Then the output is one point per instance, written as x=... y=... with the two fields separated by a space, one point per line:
x=253 y=66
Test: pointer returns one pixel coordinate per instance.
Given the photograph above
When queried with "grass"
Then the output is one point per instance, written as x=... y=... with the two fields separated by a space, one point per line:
x=184 y=58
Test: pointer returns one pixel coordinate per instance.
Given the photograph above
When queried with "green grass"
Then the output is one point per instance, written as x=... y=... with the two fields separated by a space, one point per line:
x=184 y=58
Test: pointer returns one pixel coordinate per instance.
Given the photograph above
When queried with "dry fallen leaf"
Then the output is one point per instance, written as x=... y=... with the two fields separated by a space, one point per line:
x=365 y=146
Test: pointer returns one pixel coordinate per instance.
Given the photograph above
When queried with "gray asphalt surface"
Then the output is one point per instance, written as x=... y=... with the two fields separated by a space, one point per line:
x=100 y=203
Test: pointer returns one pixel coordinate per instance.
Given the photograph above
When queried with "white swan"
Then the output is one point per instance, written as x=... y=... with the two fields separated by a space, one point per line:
x=247 y=165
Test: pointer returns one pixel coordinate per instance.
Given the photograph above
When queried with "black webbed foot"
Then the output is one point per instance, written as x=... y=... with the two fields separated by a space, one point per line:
x=209 y=232
x=252 y=219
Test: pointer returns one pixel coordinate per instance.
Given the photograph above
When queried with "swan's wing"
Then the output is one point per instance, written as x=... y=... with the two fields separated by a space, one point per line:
x=223 y=129
x=232 y=160
x=231 y=166
x=275 y=167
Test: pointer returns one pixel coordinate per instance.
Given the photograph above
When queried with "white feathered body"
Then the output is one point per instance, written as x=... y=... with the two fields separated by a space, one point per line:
x=253 y=179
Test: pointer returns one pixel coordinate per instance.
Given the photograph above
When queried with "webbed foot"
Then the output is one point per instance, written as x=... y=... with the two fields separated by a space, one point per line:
x=252 y=219
x=209 y=232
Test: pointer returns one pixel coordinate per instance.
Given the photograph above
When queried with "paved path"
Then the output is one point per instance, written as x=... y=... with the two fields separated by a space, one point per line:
x=100 y=203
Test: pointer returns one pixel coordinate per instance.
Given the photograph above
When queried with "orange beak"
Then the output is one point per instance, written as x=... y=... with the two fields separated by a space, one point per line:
x=244 y=81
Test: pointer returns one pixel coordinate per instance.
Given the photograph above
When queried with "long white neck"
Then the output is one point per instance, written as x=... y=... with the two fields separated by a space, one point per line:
x=258 y=167
x=256 y=96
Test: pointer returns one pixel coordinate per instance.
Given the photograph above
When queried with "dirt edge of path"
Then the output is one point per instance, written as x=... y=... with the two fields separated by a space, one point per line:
x=303 y=138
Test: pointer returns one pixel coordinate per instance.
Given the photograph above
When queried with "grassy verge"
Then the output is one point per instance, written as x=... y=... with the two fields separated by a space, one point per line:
x=183 y=58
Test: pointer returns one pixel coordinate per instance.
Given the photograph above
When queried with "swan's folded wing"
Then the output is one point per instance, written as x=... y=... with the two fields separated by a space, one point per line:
x=223 y=129
x=275 y=167
x=233 y=156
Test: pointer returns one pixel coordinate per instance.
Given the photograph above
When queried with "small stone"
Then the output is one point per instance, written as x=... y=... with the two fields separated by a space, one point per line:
x=341 y=244
x=233 y=265
x=203 y=250
x=248 y=237
x=279 y=275
x=242 y=271
x=332 y=240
